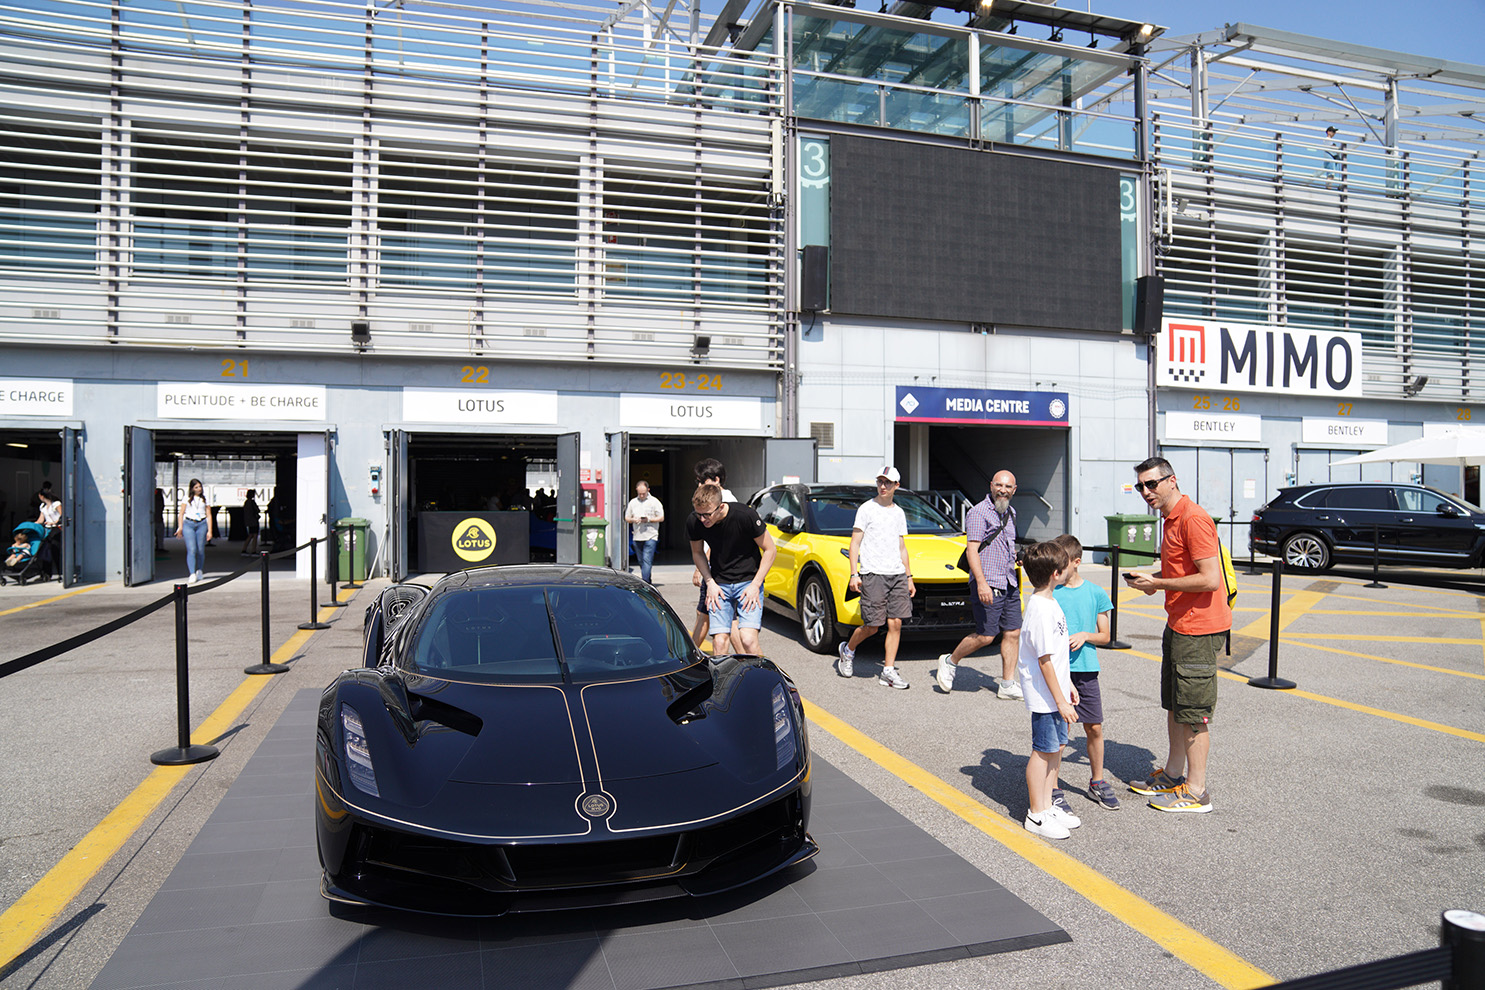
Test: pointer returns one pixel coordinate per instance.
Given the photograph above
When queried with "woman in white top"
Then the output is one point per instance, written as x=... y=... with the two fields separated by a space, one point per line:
x=196 y=525
x=51 y=510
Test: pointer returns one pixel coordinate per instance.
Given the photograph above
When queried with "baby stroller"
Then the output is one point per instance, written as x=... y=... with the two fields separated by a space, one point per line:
x=39 y=565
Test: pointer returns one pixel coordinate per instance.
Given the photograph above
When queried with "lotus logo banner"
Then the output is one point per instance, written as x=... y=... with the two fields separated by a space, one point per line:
x=474 y=540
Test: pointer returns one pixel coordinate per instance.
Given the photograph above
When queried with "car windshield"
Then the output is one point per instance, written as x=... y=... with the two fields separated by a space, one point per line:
x=835 y=512
x=505 y=634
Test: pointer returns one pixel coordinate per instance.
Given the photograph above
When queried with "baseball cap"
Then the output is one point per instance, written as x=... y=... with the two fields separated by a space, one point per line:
x=890 y=473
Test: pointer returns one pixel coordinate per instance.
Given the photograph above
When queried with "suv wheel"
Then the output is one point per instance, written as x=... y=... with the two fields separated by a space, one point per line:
x=1306 y=552
x=816 y=609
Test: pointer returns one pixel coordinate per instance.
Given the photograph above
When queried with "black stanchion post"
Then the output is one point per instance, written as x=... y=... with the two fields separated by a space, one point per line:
x=1273 y=680
x=182 y=754
x=1252 y=568
x=350 y=556
x=334 y=563
x=267 y=666
x=314 y=591
x=1464 y=933
x=1114 y=643
x=1376 y=563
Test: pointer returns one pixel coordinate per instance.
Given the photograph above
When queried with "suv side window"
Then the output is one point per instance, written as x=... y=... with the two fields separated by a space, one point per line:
x=1417 y=500
x=1359 y=498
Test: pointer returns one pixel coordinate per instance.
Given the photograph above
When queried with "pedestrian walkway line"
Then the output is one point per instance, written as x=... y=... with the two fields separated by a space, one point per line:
x=1324 y=699
x=25 y=920
x=1182 y=941
x=1290 y=611
x=1369 y=656
x=54 y=598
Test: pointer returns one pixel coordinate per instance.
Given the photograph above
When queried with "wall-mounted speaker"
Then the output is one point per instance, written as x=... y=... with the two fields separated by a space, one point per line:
x=1149 y=304
x=814 y=279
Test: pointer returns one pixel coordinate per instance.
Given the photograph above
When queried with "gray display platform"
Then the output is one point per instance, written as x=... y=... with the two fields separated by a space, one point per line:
x=243 y=910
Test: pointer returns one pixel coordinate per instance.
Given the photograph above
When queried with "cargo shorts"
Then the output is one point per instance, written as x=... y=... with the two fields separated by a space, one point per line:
x=1188 y=676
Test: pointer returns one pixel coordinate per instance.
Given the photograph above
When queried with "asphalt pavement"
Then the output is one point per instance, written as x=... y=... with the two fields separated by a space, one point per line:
x=1349 y=812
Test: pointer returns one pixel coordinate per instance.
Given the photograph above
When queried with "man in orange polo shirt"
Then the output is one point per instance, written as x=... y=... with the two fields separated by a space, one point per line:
x=1197 y=620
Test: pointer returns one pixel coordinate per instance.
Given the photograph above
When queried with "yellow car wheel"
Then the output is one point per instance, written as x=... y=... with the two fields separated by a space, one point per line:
x=816 y=607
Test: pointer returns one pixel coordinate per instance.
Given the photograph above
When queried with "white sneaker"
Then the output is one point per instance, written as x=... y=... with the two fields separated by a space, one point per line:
x=945 y=675
x=889 y=677
x=1065 y=818
x=1008 y=691
x=193 y=579
x=1048 y=827
x=845 y=666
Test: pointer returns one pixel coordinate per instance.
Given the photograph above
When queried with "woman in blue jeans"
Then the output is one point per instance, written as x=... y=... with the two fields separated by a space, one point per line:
x=196 y=526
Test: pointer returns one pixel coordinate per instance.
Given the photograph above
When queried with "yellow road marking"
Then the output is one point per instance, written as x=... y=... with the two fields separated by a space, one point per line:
x=1337 y=702
x=1401 y=663
x=1290 y=611
x=55 y=598
x=1432 y=640
x=25 y=920
x=1187 y=944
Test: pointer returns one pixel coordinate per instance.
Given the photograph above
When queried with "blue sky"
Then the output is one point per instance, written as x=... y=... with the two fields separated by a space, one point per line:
x=1452 y=29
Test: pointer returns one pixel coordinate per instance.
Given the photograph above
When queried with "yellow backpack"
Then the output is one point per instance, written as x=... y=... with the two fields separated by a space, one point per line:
x=1229 y=575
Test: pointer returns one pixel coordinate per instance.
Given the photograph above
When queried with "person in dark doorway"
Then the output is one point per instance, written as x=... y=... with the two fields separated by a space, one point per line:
x=741 y=554
x=276 y=520
x=709 y=471
x=645 y=514
x=196 y=526
x=50 y=514
x=158 y=514
x=41 y=497
x=881 y=574
x=1198 y=618
x=994 y=598
x=252 y=523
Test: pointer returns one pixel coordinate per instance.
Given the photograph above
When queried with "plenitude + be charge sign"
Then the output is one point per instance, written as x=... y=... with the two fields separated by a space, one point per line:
x=210 y=400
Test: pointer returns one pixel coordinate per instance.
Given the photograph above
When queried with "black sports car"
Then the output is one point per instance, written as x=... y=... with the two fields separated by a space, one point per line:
x=539 y=736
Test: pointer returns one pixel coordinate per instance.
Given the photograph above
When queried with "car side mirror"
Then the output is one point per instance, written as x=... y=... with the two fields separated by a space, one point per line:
x=1449 y=511
x=786 y=524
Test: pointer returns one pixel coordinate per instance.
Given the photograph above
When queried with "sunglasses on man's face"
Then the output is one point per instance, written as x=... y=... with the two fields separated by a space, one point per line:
x=1153 y=483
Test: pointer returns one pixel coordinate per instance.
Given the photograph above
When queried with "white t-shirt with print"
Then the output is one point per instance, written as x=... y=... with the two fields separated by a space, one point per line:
x=882 y=528
x=1043 y=632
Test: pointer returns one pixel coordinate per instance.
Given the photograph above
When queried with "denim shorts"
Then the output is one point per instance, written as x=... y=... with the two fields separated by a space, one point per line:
x=1048 y=732
x=730 y=607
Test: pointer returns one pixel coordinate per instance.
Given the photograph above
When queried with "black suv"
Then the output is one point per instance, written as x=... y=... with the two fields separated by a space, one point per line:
x=1314 y=526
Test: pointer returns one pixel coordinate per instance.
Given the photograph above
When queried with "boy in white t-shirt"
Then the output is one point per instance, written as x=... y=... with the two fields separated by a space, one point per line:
x=1043 y=670
x=881 y=575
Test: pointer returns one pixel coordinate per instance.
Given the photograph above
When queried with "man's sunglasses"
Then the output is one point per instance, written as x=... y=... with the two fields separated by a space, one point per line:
x=1152 y=484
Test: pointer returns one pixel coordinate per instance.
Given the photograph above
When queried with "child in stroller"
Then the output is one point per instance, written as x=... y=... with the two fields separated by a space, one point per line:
x=26 y=557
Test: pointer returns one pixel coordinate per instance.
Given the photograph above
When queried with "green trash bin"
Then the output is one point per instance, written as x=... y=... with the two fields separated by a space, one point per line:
x=1133 y=532
x=346 y=568
x=595 y=541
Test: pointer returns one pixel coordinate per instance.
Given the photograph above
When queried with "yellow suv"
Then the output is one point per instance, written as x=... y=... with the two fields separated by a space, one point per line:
x=811 y=525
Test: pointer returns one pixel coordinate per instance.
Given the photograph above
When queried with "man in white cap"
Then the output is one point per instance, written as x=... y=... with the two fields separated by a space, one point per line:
x=880 y=574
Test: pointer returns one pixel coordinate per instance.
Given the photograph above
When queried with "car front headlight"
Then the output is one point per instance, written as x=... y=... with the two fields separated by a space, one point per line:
x=783 y=729
x=357 y=753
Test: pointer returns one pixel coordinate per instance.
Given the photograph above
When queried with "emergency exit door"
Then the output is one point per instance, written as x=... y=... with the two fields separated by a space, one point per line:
x=569 y=498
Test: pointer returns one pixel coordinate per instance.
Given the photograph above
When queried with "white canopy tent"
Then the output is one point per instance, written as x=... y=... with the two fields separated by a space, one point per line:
x=1460 y=449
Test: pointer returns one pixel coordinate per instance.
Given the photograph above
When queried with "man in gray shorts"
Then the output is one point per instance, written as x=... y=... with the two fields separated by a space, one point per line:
x=880 y=574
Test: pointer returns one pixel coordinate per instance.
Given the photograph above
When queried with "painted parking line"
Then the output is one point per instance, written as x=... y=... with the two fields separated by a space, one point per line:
x=1421 y=723
x=30 y=916
x=54 y=598
x=1182 y=941
x=1370 y=656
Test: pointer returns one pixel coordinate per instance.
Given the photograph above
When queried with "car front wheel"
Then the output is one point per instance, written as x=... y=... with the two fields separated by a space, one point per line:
x=1306 y=552
x=817 y=615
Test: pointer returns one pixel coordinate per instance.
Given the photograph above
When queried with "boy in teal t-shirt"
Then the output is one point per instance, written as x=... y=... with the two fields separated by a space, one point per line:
x=1087 y=608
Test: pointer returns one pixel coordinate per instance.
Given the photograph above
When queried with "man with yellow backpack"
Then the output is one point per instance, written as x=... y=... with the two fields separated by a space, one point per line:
x=1198 y=618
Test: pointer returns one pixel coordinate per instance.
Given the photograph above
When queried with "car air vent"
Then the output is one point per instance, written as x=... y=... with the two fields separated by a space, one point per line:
x=398 y=600
x=424 y=709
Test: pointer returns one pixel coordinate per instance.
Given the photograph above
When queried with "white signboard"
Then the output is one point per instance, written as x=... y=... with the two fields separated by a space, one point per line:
x=1213 y=355
x=1362 y=432
x=1446 y=429
x=35 y=397
x=690 y=414
x=215 y=400
x=478 y=407
x=1213 y=427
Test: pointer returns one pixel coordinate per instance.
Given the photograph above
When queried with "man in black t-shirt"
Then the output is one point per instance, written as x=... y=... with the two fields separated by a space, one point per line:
x=742 y=553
